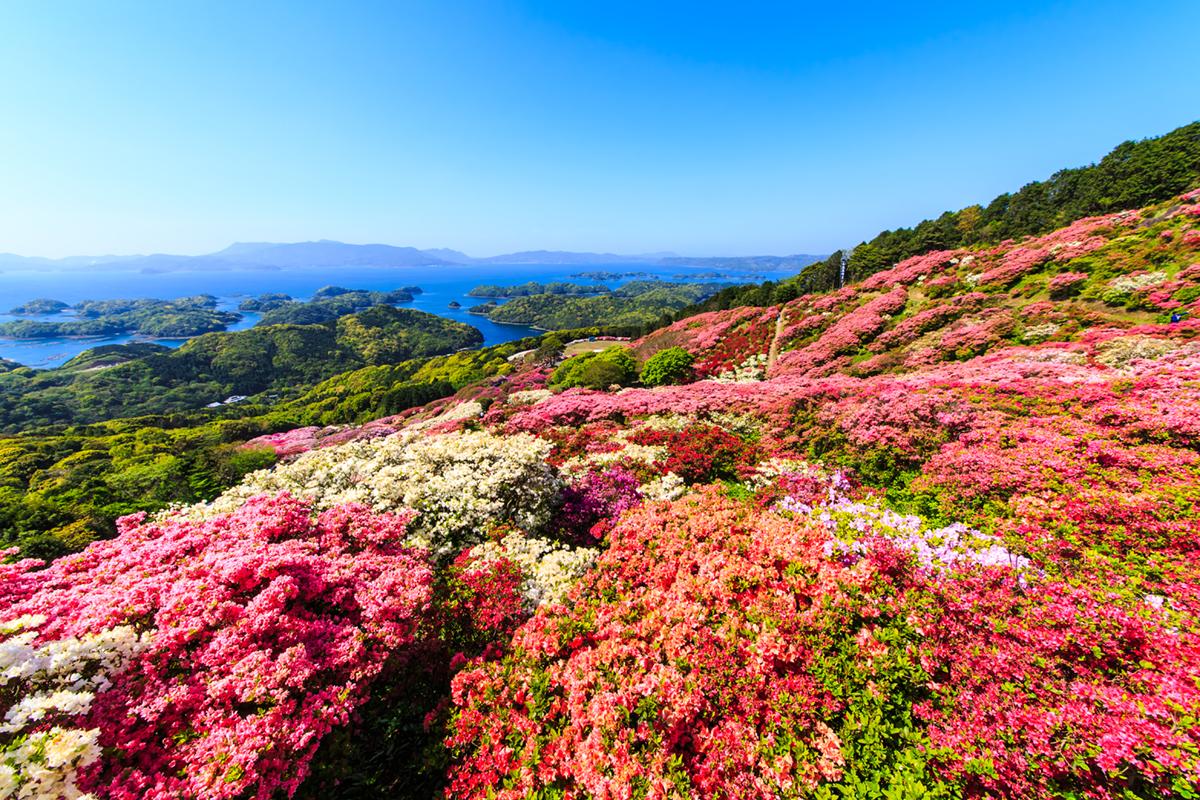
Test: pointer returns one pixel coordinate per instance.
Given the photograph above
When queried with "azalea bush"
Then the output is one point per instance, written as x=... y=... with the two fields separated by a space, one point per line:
x=231 y=646
x=460 y=483
x=658 y=678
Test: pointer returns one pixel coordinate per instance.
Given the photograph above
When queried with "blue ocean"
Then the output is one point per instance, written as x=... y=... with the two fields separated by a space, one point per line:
x=441 y=285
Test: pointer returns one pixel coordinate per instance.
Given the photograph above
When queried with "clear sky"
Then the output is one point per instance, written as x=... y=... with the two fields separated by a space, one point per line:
x=703 y=128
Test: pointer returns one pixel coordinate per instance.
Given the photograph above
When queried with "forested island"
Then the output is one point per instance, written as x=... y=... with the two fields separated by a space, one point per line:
x=327 y=304
x=634 y=304
x=533 y=287
x=169 y=319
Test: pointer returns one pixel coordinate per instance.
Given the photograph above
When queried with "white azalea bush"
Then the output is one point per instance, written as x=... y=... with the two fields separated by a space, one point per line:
x=42 y=687
x=1040 y=333
x=529 y=396
x=1135 y=283
x=462 y=483
x=1121 y=351
x=668 y=487
x=549 y=568
x=752 y=370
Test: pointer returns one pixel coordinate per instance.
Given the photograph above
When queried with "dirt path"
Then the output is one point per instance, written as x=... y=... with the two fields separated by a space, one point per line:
x=773 y=351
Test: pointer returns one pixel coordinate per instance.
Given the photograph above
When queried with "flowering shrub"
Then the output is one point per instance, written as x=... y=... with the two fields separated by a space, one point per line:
x=289 y=443
x=699 y=454
x=1121 y=351
x=1064 y=284
x=722 y=650
x=460 y=483
x=479 y=601
x=1040 y=332
x=975 y=336
x=847 y=334
x=928 y=319
x=548 y=569
x=1014 y=264
x=263 y=630
x=754 y=368
x=752 y=335
x=1135 y=283
x=591 y=505
x=910 y=270
x=47 y=685
x=672 y=685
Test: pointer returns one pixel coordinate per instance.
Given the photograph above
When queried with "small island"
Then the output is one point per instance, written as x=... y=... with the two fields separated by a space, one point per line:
x=42 y=305
x=483 y=309
x=454 y=304
x=604 y=275
x=635 y=303
x=266 y=302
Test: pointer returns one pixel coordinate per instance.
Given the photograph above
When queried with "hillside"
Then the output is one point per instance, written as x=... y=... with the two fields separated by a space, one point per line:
x=1133 y=174
x=932 y=534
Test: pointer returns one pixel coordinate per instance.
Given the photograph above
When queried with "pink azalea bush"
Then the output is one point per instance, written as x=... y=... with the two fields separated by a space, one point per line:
x=266 y=629
x=1065 y=283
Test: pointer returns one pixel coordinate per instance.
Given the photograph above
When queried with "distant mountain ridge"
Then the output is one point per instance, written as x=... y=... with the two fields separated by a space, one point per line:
x=328 y=253
x=797 y=261
x=568 y=257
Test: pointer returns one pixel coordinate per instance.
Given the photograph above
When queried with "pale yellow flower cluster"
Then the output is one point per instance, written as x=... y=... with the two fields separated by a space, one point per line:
x=461 y=483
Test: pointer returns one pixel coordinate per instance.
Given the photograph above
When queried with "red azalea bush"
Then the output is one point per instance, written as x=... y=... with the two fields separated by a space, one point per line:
x=750 y=337
x=700 y=453
x=1059 y=690
x=661 y=680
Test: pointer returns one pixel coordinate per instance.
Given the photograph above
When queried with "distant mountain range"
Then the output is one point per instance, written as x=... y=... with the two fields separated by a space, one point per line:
x=326 y=253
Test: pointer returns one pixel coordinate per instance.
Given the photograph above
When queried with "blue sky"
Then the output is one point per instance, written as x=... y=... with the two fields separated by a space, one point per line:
x=732 y=128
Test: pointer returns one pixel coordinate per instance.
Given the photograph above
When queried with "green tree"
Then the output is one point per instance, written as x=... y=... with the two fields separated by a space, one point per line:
x=673 y=365
x=612 y=366
x=550 y=348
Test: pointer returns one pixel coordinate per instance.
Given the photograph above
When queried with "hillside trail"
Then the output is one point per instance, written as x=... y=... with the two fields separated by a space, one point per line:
x=773 y=351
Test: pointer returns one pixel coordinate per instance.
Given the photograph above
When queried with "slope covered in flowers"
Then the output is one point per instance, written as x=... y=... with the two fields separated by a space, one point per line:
x=935 y=534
